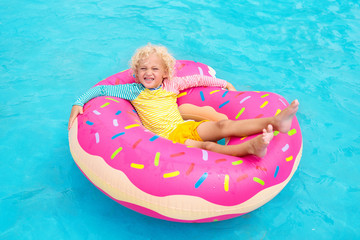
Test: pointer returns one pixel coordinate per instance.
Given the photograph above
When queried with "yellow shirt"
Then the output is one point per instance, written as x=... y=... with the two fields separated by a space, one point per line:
x=158 y=111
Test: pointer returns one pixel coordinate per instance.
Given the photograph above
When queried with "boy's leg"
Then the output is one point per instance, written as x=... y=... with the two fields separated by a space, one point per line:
x=256 y=146
x=213 y=131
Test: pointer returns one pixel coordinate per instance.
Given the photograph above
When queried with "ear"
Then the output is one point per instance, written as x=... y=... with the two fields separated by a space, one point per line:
x=165 y=76
x=135 y=74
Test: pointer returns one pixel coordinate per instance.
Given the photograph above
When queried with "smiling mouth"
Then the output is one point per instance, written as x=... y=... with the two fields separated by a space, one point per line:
x=148 y=80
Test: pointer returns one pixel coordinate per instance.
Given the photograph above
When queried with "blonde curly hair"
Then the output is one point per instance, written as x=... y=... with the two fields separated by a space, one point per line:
x=161 y=51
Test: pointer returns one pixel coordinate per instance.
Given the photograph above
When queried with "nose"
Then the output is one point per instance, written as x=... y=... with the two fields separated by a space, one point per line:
x=148 y=72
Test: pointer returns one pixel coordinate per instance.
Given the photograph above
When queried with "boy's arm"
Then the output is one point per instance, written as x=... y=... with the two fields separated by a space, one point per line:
x=201 y=81
x=230 y=87
x=75 y=111
x=124 y=91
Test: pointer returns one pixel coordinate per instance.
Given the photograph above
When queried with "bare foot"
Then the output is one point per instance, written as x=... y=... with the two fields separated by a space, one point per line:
x=258 y=145
x=284 y=119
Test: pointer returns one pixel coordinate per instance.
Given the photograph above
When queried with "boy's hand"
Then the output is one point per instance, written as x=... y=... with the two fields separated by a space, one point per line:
x=75 y=111
x=230 y=87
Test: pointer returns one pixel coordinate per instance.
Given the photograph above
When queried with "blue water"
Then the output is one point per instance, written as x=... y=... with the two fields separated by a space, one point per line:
x=52 y=51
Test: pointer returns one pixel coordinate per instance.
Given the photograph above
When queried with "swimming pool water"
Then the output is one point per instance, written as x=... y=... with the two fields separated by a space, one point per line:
x=52 y=51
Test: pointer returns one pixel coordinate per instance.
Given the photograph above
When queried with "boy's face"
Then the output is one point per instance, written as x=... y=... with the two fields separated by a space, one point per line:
x=151 y=71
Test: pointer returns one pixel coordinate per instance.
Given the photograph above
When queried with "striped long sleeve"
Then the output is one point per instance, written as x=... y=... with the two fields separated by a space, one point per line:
x=181 y=83
x=124 y=91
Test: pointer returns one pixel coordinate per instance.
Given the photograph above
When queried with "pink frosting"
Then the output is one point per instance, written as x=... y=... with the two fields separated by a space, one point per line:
x=161 y=168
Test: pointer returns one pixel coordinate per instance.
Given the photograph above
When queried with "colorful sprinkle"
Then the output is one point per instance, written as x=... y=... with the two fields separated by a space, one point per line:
x=243 y=138
x=223 y=104
x=288 y=159
x=171 y=174
x=117 y=135
x=282 y=102
x=226 y=92
x=276 y=133
x=242 y=177
x=201 y=71
x=96 y=112
x=222 y=141
x=154 y=138
x=215 y=91
x=177 y=154
x=97 y=137
x=265 y=95
x=276 y=171
x=201 y=180
x=132 y=126
x=202 y=96
x=237 y=162
x=112 y=99
x=115 y=122
x=89 y=123
x=105 y=104
x=226 y=183
x=277 y=112
x=157 y=159
x=285 y=148
x=181 y=66
x=220 y=160
x=244 y=99
x=211 y=71
x=292 y=132
x=86 y=107
x=136 y=143
x=261 y=168
x=205 y=155
x=116 y=152
x=181 y=94
x=137 y=166
x=259 y=116
x=264 y=104
x=190 y=169
x=118 y=112
x=239 y=114
x=258 y=180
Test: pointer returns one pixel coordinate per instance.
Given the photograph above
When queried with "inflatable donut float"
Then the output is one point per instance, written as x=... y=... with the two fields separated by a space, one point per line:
x=171 y=181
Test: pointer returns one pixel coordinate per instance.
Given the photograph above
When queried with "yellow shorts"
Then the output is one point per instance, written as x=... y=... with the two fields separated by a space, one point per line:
x=186 y=130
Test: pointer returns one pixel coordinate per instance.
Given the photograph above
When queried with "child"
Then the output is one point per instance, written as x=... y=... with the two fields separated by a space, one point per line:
x=154 y=98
